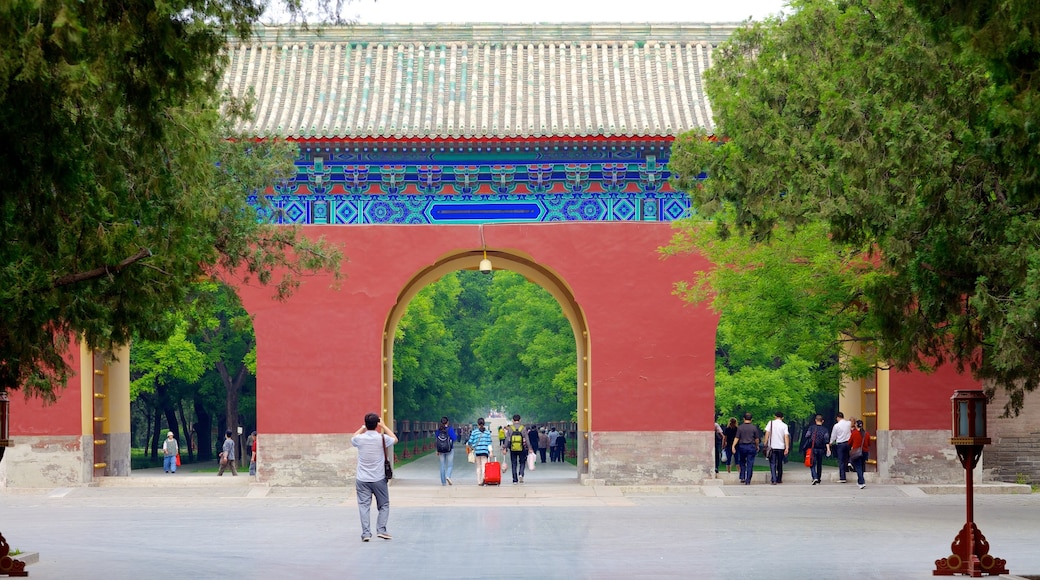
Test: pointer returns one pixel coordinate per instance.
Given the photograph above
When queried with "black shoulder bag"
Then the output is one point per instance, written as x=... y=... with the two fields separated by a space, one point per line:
x=388 y=469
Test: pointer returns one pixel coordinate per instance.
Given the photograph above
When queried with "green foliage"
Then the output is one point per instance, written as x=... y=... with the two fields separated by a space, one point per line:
x=528 y=351
x=852 y=116
x=120 y=185
x=471 y=341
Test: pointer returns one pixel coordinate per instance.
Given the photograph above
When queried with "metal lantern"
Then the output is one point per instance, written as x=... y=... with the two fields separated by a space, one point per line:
x=5 y=420
x=970 y=551
x=969 y=418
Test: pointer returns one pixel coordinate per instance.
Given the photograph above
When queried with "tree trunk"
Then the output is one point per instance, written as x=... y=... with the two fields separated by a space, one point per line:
x=187 y=430
x=233 y=389
x=203 y=430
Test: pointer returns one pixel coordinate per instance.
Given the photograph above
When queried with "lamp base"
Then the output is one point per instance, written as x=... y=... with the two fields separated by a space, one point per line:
x=970 y=556
x=8 y=565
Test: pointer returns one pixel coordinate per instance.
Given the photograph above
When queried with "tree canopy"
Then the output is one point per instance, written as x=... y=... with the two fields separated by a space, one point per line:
x=911 y=140
x=123 y=182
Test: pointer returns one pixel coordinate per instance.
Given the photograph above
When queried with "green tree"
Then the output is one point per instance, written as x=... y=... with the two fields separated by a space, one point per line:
x=121 y=187
x=912 y=150
x=426 y=357
x=528 y=351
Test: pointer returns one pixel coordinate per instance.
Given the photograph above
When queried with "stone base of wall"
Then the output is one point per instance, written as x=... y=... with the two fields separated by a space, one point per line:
x=308 y=460
x=1014 y=455
x=117 y=455
x=52 y=461
x=652 y=457
x=920 y=456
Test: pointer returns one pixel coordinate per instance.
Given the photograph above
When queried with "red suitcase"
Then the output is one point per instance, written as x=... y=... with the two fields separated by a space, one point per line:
x=492 y=473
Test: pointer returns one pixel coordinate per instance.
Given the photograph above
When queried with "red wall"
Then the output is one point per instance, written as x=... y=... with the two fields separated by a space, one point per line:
x=35 y=418
x=920 y=400
x=652 y=357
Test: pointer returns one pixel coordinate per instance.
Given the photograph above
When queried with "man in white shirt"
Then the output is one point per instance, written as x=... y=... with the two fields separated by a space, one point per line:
x=840 y=434
x=778 y=440
x=373 y=441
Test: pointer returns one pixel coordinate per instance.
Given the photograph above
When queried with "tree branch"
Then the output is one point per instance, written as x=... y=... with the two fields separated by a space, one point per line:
x=102 y=271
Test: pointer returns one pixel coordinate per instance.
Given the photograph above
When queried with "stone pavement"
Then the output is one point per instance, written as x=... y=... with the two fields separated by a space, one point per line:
x=202 y=526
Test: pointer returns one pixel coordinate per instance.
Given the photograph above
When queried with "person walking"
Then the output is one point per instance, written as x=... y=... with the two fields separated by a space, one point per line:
x=859 y=446
x=446 y=450
x=252 y=454
x=170 y=451
x=748 y=438
x=480 y=442
x=373 y=441
x=502 y=439
x=532 y=439
x=729 y=436
x=516 y=439
x=816 y=439
x=720 y=440
x=543 y=443
x=553 y=436
x=228 y=450
x=778 y=442
x=561 y=447
x=839 y=444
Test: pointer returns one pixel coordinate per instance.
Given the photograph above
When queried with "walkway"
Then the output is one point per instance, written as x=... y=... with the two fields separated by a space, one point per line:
x=201 y=526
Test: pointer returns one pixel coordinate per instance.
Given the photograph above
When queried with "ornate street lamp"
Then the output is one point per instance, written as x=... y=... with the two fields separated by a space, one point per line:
x=970 y=549
x=8 y=565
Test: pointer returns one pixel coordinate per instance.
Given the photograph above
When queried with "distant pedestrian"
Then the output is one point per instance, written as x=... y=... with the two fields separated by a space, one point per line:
x=502 y=439
x=749 y=436
x=839 y=444
x=446 y=450
x=561 y=447
x=228 y=450
x=532 y=439
x=816 y=436
x=719 y=440
x=373 y=441
x=553 y=436
x=729 y=436
x=778 y=442
x=516 y=439
x=859 y=441
x=170 y=451
x=480 y=442
x=252 y=454
x=543 y=443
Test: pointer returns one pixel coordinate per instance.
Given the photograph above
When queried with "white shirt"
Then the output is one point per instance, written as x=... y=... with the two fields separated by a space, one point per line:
x=777 y=434
x=370 y=455
x=841 y=431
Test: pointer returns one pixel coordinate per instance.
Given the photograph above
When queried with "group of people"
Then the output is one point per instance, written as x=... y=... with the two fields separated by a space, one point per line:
x=539 y=441
x=846 y=440
x=171 y=454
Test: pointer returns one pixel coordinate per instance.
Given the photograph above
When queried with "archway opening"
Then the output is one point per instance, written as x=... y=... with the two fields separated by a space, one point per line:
x=509 y=341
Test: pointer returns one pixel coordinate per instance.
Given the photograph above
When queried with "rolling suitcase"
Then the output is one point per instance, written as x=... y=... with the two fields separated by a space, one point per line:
x=492 y=473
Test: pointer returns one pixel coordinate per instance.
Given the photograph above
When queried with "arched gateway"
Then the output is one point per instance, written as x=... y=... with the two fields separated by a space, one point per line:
x=422 y=148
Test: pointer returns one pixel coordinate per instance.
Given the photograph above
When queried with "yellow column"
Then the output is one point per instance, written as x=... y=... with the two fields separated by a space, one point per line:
x=882 y=400
x=117 y=410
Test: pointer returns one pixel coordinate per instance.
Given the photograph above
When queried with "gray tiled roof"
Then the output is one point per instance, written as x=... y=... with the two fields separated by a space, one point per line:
x=472 y=81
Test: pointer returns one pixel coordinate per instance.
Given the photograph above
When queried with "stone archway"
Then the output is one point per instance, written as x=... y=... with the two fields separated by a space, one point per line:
x=533 y=272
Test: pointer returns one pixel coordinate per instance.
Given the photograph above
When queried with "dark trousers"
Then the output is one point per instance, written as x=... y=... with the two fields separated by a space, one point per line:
x=518 y=458
x=541 y=453
x=776 y=466
x=860 y=464
x=746 y=453
x=841 y=451
x=817 y=463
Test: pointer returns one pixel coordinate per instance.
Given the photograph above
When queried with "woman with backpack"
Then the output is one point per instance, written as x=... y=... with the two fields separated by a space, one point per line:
x=445 y=442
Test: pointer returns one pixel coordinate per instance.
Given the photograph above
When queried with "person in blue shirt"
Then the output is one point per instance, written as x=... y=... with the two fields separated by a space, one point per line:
x=480 y=442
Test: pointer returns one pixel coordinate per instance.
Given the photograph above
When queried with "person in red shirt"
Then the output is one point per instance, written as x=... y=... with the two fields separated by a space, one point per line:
x=859 y=451
x=252 y=457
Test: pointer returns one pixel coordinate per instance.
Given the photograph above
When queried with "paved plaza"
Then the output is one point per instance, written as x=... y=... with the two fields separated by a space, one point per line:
x=198 y=525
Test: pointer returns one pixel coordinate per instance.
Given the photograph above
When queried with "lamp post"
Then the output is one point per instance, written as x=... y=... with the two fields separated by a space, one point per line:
x=970 y=549
x=8 y=565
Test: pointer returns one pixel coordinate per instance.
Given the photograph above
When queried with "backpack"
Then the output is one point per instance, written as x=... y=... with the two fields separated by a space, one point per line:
x=516 y=440
x=443 y=441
